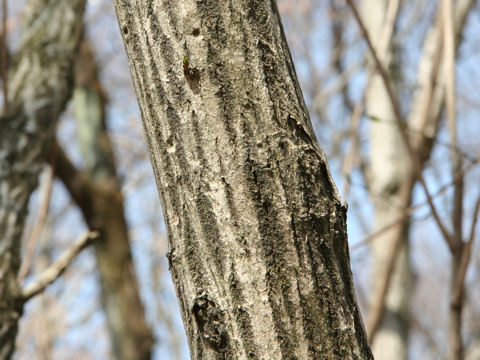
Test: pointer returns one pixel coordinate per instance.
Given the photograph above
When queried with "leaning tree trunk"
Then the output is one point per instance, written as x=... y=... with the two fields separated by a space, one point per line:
x=39 y=86
x=257 y=233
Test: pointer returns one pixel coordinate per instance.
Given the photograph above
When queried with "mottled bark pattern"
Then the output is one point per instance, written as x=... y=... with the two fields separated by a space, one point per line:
x=39 y=86
x=257 y=233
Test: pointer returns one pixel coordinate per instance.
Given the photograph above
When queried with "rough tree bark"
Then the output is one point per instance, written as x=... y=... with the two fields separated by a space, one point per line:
x=40 y=83
x=257 y=232
x=98 y=194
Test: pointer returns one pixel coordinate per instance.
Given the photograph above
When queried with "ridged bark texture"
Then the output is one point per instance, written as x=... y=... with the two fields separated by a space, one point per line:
x=101 y=203
x=257 y=233
x=39 y=85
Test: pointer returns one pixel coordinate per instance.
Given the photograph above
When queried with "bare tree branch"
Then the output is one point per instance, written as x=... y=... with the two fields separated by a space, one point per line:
x=466 y=255
x=410 y=210
x=50 y=274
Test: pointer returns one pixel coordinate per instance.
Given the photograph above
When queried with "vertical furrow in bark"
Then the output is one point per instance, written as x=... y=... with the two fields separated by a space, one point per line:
x=39 y=86
x=263 y=271
x=280 y=275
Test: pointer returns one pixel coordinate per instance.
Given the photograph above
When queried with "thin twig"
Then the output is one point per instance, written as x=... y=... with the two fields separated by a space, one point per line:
x=418 y=132
x=427 y=333
x=368 y=239
x=465 y=260
x=56 y=269
x=425 y=115
x=410 y=210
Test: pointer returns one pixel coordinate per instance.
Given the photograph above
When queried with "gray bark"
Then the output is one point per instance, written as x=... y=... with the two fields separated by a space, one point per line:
x=257 y=232
x=39 y=86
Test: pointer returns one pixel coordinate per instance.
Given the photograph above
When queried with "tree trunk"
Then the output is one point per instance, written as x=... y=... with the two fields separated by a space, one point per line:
x=392 y=179
x=39 y=86
x=389 y=161
x=257 y=233
x=98 y=195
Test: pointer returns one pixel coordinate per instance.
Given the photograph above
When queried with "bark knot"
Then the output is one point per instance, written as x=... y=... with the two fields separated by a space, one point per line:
x=210 y=323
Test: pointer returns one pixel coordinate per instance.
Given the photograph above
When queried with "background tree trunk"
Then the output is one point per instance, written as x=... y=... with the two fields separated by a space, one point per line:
x=98 y=194
x=389 y=162
x=257 y=233
x=39 y=86
x=392 y=174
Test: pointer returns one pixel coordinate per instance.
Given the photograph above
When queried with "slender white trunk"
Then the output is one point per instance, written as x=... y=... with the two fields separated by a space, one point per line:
x=389 y=162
